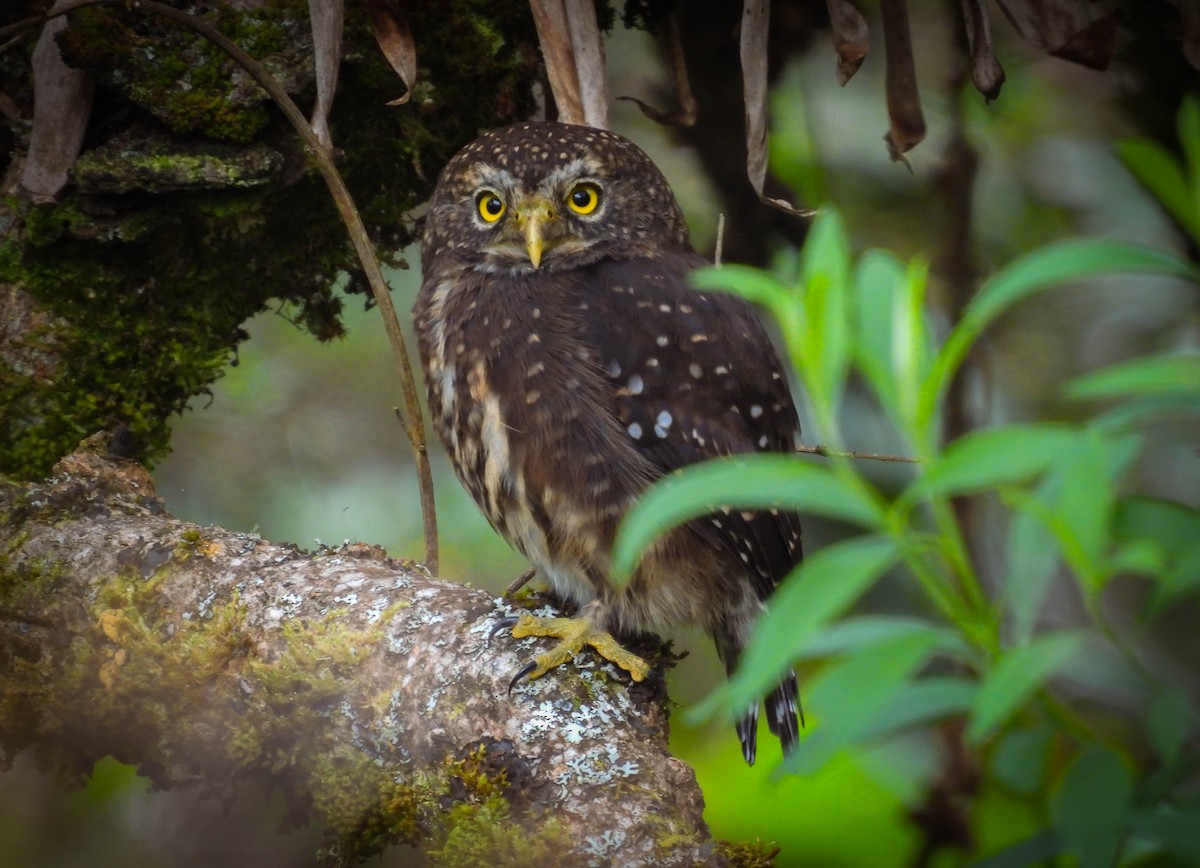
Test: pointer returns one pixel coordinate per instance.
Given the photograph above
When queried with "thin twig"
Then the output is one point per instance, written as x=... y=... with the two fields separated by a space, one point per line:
x=826 y=452
x=519 y=582
x=412 y=420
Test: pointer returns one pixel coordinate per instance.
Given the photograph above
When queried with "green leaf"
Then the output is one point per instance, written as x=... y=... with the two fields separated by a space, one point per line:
x=1037 y=849
x=853 y=696
x=1139 y=412
x=1017 y=676
x=859 y=631
x=1020 y=758
x=745 y=482
x=1169 y=722
x=921 y=702
x=1033 y=562
x=1086 y=497
x=1189 y=138
x=1093 y=807
x=1174 y=529
x=1160 y=173
x=1043 y=268
x=992 y=457
x=1156 y=375
x=1172 y=827
x=824 y=344
x=1173 y=525
x=878 y=283
x=752 y=284
x=1066 y=261
x=820 y=589
x=1182 y=580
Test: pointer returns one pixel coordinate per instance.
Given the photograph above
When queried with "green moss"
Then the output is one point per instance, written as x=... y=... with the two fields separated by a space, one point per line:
x=488 y=835
x=149 y=292
x=746 y=854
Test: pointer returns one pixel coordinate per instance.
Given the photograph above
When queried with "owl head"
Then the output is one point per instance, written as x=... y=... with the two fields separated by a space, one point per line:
x=549 y=197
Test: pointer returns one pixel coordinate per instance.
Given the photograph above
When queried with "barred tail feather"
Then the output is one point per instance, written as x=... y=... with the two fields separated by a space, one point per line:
x=747 y=730
x=784 y=715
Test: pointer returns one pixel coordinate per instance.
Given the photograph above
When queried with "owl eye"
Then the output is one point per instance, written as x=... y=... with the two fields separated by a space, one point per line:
x=491 y=207
x=584 y=198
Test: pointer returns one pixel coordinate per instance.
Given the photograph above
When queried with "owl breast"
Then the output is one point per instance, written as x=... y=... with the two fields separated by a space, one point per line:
x=519 y=402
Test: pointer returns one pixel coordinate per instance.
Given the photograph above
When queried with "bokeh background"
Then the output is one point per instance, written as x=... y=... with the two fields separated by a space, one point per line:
x=299 y=443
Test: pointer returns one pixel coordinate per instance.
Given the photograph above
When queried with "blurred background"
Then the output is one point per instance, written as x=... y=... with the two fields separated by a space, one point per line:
x=299 y=443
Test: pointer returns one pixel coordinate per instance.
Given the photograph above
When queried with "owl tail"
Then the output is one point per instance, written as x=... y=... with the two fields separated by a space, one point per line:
x=784 y=719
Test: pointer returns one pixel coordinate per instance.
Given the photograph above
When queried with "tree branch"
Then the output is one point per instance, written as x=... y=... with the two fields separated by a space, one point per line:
x=366 y=692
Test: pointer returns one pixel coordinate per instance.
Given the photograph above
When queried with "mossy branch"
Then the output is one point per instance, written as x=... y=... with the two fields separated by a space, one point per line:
x=412 y=419
x=365 y=692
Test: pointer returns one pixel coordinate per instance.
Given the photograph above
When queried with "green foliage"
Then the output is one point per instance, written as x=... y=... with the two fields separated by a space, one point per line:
x=1112 y=782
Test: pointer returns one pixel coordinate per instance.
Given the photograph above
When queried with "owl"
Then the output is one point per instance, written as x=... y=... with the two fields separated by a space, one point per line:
x=570 y=365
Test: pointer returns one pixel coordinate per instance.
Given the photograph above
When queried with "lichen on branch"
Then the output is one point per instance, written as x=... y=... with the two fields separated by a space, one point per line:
x=366 y=692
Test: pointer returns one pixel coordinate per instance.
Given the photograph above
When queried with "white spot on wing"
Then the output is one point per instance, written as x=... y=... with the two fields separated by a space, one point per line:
x=636 y=385
x=635 y=430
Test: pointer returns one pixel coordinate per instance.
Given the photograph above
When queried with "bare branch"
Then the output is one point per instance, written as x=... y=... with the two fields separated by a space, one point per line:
x=364 y=691
x=826 y=452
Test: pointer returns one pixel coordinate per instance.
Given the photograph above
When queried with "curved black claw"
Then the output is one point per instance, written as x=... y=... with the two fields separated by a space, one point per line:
x=503 y=624
x=525 y=670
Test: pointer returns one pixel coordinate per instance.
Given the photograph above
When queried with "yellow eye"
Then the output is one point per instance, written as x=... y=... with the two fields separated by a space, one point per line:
x=491 y=206
x=584 y=198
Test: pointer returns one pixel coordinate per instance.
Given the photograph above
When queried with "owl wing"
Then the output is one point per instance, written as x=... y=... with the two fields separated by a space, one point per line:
x=694 y=377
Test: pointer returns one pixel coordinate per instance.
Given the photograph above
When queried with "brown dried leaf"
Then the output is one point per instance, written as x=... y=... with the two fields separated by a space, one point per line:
x=851 y=39
x=1069 y=29
x=554 y=36
x=9 y=107
x=753 y=51
x=325 y=17
x=685 y=115
x=396 y=41
x=590 y=70
x=907 y=122
x=986 y=72
x=61 y=107
x=1190 y=13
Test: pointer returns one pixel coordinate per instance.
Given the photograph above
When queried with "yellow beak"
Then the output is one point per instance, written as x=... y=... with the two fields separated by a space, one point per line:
x=532 y=216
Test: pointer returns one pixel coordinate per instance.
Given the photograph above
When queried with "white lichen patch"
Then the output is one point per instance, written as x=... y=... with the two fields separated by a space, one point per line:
x=375 y=610
x=600 y=847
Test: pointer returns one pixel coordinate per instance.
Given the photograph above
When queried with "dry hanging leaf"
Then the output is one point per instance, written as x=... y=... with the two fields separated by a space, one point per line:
x=851 y=39
x=554 y=36
x=1069 y=29
x=986 y=72
x=590 y=70
x=62 y=104
x=685 y=115
x=907 y=122
x=1190 y=13
x=396 y=41
x=752 y=47
x=9 y=107
x=325 y=18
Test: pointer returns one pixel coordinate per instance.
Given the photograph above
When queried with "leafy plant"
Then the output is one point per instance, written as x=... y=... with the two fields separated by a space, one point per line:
x=1110 y=783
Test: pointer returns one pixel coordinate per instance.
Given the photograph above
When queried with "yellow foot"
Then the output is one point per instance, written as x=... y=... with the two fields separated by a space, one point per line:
x=575 y=633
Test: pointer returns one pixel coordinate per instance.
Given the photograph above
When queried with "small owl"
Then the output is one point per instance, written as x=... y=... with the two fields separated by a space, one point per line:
x=569 y=366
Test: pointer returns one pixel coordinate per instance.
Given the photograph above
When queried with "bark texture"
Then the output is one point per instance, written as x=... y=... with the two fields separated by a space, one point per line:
x=366 y=691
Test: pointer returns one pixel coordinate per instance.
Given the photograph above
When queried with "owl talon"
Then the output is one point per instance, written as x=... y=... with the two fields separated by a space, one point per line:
x=501 y=624
x=575 y=634
x=524 y=670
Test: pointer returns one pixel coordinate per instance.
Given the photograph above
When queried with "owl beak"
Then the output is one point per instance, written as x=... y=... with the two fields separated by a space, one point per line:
x=533 y=216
